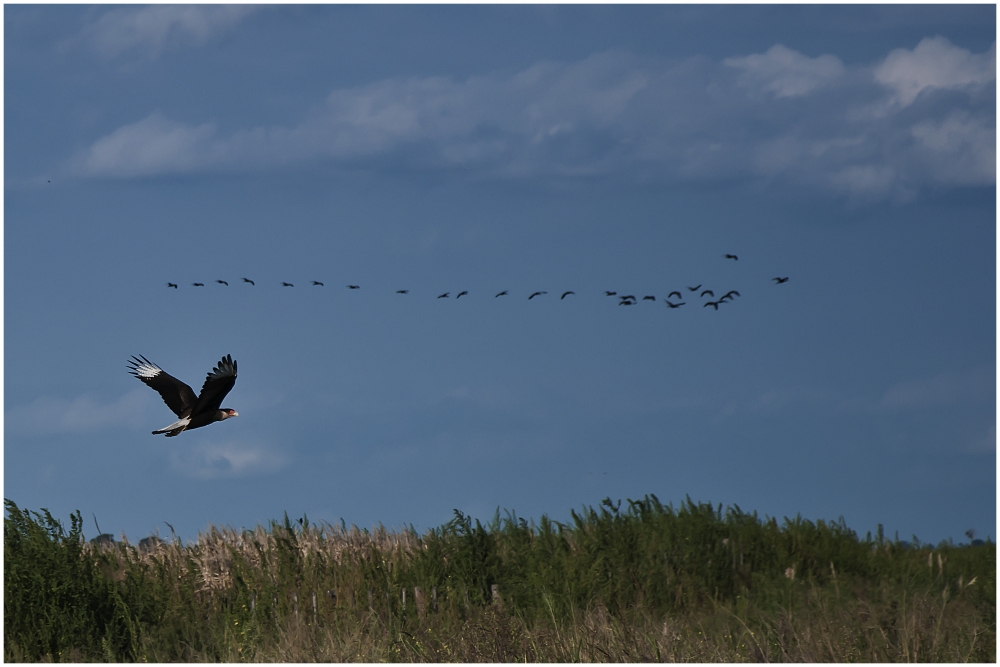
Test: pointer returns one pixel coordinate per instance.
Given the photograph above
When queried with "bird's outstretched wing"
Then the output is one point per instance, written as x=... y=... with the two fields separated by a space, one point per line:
x=217 y=385
x=178 y=396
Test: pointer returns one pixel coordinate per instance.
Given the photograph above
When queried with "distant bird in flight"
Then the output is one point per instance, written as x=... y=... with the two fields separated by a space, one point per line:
x=503 y=293
x=649 y=298
x=172 y=285
x=729 y=294
x=354 y=287
x=247 y=280
x=284 y=284
x=222 y=282
x=627 y=297
x=461 y=294
x=193 y=411
x=198 y=284
x=695 y=289
x=536 y=294
x=732 y=257
x=780 y=280
x=625 y=302
x=610 y=293
x=566 y=294
x=444 y=296
x=677 y=293
x=402 y=291
x=713 y=304
x=674 y=305
x=316 y=282
x=708 y=292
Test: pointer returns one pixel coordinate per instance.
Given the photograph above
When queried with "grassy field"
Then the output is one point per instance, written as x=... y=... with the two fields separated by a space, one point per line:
x=635 y=582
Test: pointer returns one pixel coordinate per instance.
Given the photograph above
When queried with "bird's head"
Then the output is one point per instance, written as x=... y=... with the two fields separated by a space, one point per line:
x=228 y=412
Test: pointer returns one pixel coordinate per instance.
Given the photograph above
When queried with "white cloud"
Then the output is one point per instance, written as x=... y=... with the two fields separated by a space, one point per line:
x=52 y=416
x=785 y=72
x=974 y=386
x=149 y=29
x=784 y=117
x=210 y=460
x=934 y=63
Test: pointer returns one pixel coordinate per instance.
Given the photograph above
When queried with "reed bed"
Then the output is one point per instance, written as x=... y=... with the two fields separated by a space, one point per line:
x=642 y=582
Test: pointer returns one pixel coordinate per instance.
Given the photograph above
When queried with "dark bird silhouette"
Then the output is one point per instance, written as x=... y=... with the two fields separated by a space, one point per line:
x=610 y=293
x=198 y=284
x=193 y=411
x=222 y=282
x=729 y=294
x=625 y=302
x=247 y=280
x=444 y=296
x=536 y=294
x=172 y=285
x=674 y=305
x=354 y=287
x=461 y=294
x=675 y=292
x=402 y=291
x=628 y=296
x=732 y=257
x=695 y=289
x=566 y=294
x=708 y=292
x=649 y=298
x=316 y=282
x=713 y=304
x=780 y=280
x=284 y=284
x=503 y=293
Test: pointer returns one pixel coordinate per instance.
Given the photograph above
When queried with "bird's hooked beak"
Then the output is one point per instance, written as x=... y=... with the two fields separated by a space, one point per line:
x=233 y=413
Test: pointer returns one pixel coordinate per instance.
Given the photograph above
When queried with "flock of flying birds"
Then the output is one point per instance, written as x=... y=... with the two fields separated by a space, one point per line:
x=623 y=300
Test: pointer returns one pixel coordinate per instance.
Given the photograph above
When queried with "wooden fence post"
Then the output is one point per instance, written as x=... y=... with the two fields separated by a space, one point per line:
x=495 y=593
x=418 y=599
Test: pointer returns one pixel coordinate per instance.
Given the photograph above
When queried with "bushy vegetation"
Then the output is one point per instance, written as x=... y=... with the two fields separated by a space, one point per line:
x=639 y=582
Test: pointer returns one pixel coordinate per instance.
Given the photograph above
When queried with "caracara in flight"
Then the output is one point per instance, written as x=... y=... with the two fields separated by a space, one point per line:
x=536 y=294
x=247 y=280
x=172 y=285
x=778 y=281
x=732 y=257
x=222 y=282
x=444 y=296
x=284 y=284
x=461 y=294
x=503 y=293
x=198 y=284
x=193 y=411
x=316 y=282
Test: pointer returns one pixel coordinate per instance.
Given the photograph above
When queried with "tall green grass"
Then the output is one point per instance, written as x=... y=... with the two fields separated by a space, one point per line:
x=633 y=581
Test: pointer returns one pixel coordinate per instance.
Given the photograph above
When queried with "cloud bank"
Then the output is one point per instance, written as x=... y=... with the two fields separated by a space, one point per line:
x=211 y=460
x=85 y=414
x=920 y=118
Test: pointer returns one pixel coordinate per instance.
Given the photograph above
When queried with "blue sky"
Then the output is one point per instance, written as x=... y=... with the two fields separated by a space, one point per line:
x=488 y=148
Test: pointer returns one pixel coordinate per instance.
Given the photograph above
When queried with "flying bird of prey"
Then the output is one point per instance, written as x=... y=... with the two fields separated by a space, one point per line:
x=503 y=293
x=729 y=294
x=694 y=289
x=627 y=297
x=462 y=293
x=284 y=284
x=222 y=282
x=402 y=291
x=674 y=305
x=649 y=298
x=625 y=302
x=732 y=257
x=708 y=292
x=354 y=287
x=316 y=282
x=444 y=296
x=172 y=285
x=778 y=281
x=677 y=293
x=566 y=294
x=713 y=304
x=192 y=411
x=606 y=293
x=247 y=280
x=198 y=284
x=536 y=294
